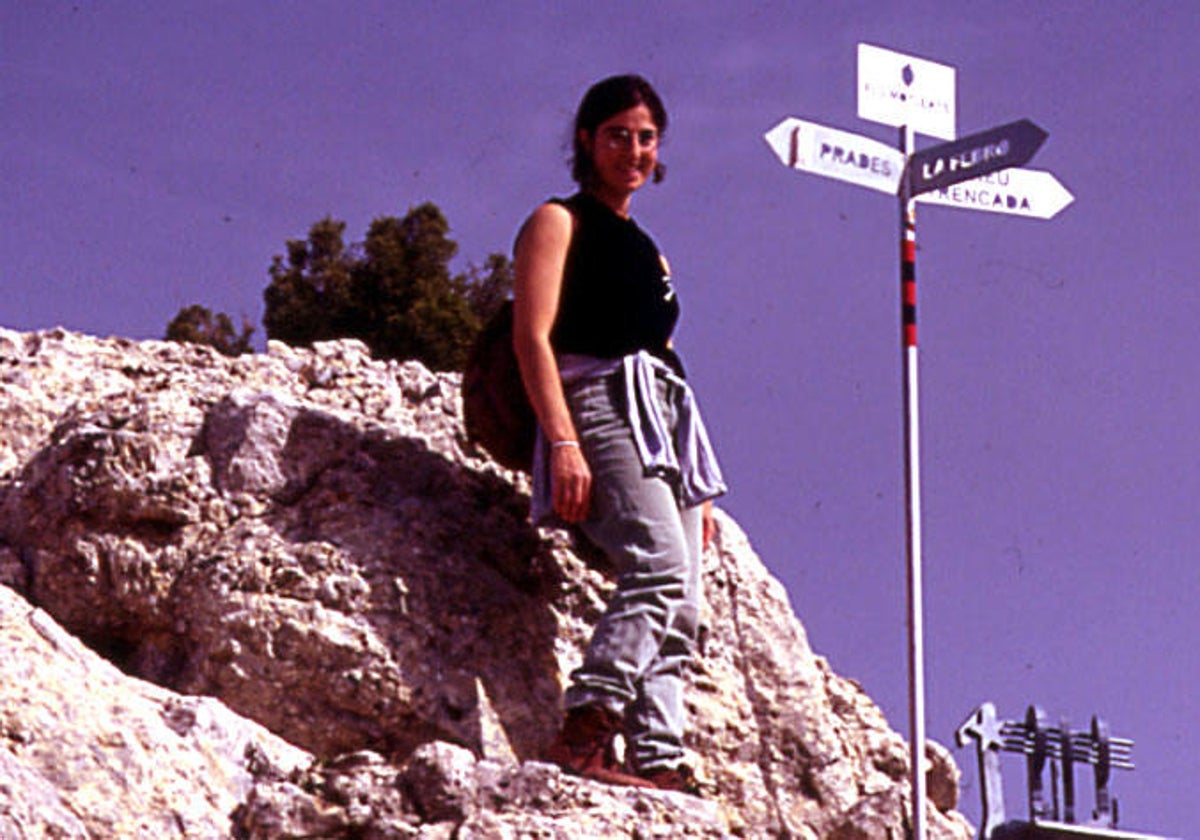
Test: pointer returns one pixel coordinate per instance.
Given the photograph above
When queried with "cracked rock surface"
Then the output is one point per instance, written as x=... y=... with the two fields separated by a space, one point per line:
x=280 y=596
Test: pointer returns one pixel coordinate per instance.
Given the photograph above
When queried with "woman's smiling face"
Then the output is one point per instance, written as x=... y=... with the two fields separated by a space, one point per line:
x=624 y=153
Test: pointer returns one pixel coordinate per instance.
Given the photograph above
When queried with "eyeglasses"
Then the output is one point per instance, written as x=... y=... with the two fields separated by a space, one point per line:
x=618 y=138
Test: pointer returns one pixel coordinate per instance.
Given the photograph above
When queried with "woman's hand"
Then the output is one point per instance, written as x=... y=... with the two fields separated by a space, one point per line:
x=570 y=483
x=708 y=524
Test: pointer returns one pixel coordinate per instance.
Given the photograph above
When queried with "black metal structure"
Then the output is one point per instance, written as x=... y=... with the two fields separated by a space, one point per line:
x=1053 y=815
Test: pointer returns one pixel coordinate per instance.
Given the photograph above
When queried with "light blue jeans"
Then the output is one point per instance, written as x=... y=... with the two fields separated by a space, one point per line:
x=636 y=662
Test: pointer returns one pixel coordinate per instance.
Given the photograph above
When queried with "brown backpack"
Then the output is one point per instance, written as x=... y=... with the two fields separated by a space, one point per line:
x=496 y=409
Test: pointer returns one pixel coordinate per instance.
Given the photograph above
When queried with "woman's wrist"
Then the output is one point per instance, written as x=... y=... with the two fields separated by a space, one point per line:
x=564 y=443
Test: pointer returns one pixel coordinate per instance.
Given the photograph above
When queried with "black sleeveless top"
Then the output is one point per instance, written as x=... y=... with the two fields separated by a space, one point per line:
x=617 y=297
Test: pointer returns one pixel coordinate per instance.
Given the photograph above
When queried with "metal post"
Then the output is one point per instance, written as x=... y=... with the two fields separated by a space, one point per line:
x=984 y=727
x=912 y=488
x=1067 y=749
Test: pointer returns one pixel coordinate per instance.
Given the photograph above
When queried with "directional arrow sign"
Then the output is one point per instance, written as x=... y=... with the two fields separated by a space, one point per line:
x=1018 y=192
x=970 y=157
x=837 y=154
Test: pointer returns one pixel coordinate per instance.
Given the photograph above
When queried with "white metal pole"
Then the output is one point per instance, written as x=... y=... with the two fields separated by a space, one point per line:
x=912 y=487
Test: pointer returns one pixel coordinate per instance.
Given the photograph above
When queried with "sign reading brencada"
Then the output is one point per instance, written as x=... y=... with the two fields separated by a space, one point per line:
x=1016 y=192
x=983 y=192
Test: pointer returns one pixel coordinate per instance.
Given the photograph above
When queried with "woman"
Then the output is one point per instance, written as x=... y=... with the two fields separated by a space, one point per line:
x=622 y=452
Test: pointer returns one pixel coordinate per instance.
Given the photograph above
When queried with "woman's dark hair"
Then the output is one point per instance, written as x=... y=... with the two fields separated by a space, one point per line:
x=604 y=99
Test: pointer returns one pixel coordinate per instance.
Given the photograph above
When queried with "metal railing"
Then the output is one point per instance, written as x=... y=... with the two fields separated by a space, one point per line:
x=1054 y=814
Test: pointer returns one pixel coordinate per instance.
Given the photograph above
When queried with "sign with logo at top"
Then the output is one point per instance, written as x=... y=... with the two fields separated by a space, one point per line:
x=980 y=154
x=897 y=89
x=826 y=151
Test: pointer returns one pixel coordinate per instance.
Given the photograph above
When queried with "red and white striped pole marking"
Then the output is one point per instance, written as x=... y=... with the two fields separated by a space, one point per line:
x=912 y=490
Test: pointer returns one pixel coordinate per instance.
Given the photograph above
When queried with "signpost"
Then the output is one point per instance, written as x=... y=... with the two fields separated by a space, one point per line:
x=975 y=172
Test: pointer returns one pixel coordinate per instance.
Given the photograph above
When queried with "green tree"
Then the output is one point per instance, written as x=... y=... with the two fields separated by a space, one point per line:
x=395 y=291
x=488 y=286
x=197 y=325
x=310 y=296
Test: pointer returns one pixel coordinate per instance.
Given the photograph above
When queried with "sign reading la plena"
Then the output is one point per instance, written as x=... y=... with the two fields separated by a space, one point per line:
x=970 y=157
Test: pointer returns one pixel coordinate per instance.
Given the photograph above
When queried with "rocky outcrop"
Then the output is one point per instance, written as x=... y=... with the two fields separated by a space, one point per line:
x=280 y=596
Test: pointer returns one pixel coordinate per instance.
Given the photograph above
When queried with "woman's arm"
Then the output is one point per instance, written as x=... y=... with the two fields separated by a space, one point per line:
x=708 y=526
x=541 y=255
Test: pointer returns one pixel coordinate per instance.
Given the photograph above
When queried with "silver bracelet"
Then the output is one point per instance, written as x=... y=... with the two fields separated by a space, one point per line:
x=572 y=443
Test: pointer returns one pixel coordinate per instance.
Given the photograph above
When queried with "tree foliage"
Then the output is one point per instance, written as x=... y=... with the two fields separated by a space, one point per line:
x=198 y=325
x=394 y=291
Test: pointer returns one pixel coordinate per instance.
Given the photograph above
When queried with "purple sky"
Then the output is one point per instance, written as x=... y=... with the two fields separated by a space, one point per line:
x=158 y=156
